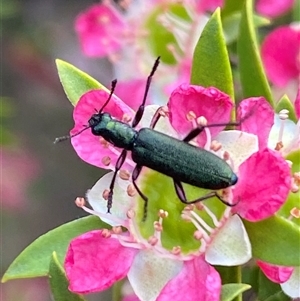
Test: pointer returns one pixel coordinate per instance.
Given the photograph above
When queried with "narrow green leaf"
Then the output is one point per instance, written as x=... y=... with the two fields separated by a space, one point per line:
x=59 y=283
x=34 y=260
x=211 y=66
x=75 y=82
x=275 y=240
x=231 y=25
x=232 y=290
x=253 y=79
x=285 y=103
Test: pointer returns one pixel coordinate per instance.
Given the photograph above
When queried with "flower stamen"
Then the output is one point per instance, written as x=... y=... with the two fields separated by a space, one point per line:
x=294 y=213
x=124 y=174
x=106 y=160
x=283 y=116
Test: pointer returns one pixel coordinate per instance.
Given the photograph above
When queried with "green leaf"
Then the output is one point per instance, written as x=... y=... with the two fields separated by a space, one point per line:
x=270 y=291
x=285 y=103
x=231 y=25
x=211 y=66
x=75 y=82
x=253 y=79
x=232 y=290
x=250 y=276
x=275 y=240
x=34 y=260
x=59 y=283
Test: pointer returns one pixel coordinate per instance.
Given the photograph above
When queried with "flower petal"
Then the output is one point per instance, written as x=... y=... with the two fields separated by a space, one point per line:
x=263 y=186
x=196 y=281
x=290 y=131
x=291 y=287
x=124 y=88
x=163 y=125
x=240 y=145
x=99 y=30
x=273 y=8
x=87 y=145
x=93 y=263
x=121 y=201
x=257 y=117
x=220 y=250
x=211 y=103
x=149 y=274
x=280 y=55
x=275 y=273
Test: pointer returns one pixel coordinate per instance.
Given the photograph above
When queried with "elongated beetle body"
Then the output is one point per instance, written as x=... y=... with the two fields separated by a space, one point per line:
x=182 y=161
x=175 y=158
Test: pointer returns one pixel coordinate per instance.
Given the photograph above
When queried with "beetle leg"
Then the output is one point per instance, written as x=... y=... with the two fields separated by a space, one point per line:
x=119 y=164
x=139 y=114
x=181 y=195
x=160 y=112
x=136 y=172
x=197 y=131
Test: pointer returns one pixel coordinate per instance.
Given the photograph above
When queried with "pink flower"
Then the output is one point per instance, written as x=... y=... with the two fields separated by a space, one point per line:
x=273 y=8
x=211 y=103
x=88 y=146
x=155 y=260
x=100 y=30
x=281 y=55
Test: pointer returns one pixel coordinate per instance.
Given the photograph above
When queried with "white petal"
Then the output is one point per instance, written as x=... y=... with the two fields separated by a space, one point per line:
x=289 y=132
x=292 y=286
x=150 y=273
x=231 y=245
x=163 y=125
x=121 y=200
x=240 y=145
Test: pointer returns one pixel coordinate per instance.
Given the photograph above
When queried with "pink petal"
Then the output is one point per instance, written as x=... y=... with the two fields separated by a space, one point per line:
x=275 y=273
x=263 y=185
x=280 y=55
x=87 y=145
x=99 y=30
x=211 y=103
x=257 y=118
x=196 y=281
x=132 y=92
x=297 y=103
x=208 y=5
x=93 y=263
x=273 y=8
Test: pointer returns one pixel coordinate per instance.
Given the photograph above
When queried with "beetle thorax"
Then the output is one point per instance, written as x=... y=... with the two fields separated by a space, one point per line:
x=118 y=133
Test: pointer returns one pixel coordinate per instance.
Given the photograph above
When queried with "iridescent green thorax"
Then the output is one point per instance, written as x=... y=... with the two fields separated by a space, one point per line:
x=118 y=133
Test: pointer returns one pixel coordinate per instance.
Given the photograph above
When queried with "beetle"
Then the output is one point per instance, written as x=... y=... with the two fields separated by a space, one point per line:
x=178 y=159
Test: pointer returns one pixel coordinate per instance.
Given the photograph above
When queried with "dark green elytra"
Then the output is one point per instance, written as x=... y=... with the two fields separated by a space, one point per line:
x=181 y=161
x=172 y=157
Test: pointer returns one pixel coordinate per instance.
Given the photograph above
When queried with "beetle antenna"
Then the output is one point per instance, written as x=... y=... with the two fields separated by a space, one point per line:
x=113 y=86
x=67 y=137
